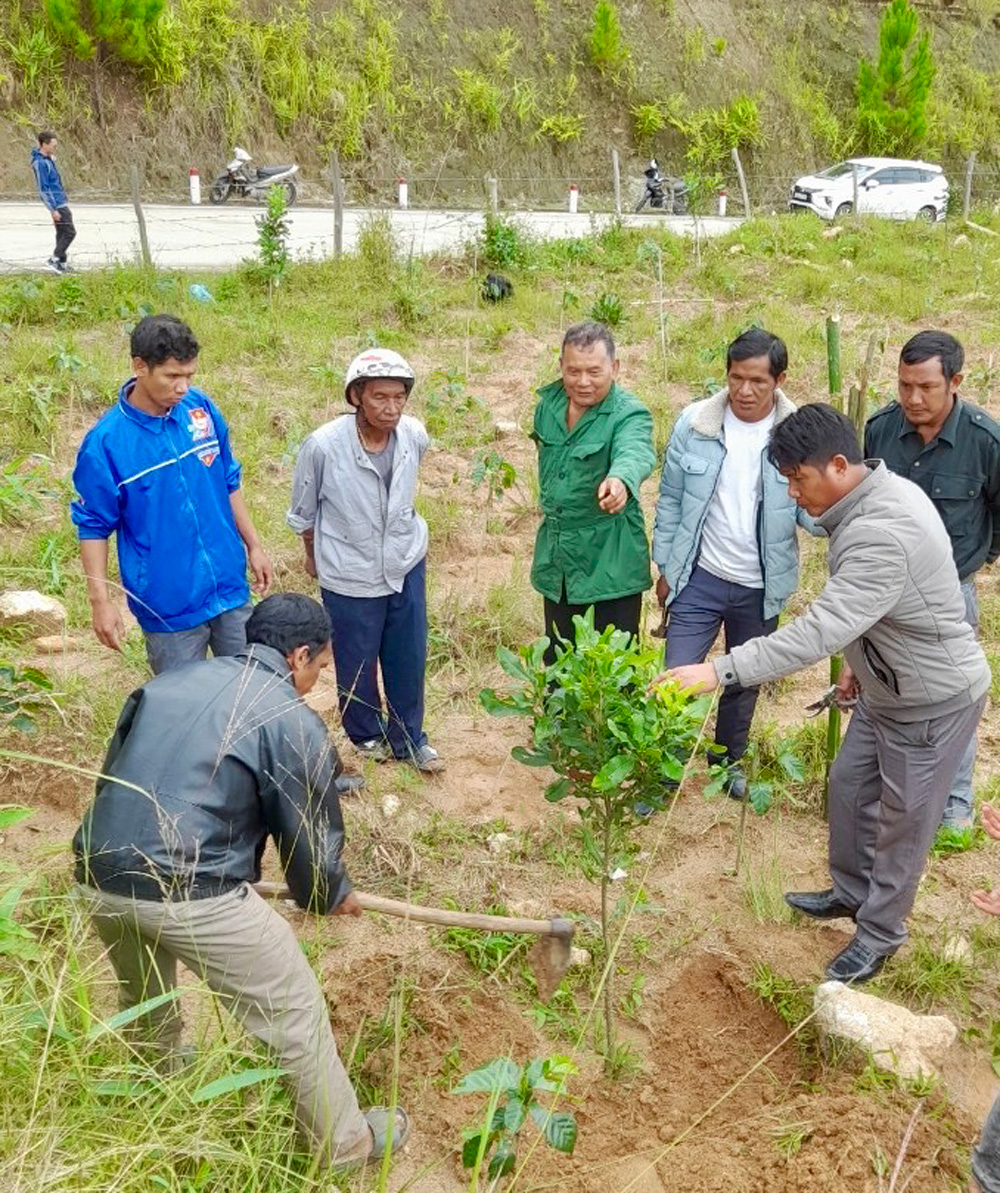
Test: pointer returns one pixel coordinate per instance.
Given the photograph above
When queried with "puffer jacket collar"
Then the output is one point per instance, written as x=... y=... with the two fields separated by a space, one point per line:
x=709 y=417
x=843 y=510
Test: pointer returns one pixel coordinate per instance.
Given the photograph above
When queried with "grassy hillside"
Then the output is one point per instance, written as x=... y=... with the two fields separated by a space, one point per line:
x=446 y=91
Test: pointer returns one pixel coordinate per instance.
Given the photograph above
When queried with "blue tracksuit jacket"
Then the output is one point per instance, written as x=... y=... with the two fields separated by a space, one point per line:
x=50 y=187
x=162 y=486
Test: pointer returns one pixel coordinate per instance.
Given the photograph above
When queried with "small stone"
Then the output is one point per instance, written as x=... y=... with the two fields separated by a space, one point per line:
x=847 y=263
x=832 y=233
x=578 y=958
x=505 y=426
x=498 y=842
x=390 y=805
x=43 y=614
x=959 y=240
x=958 y=949
x=57 y=644
x=648 y=1096
x=898 y=1040
x=736 y=249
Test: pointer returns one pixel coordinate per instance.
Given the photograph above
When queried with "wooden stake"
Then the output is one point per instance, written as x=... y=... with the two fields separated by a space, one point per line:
x=147 y=257
x=833 y=716
x=743 y=182
x=338 y=204
x=617 y=179
x=970 y=169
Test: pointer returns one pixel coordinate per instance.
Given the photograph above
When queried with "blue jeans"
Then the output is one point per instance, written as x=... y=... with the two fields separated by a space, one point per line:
x=226 y=634
x=703 y=606
x=391 y=631
x=959 y=806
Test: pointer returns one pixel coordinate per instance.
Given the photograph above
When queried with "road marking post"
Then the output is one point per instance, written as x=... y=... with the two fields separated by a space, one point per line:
x=404 y=192
x=194 y=186
x=574 y=198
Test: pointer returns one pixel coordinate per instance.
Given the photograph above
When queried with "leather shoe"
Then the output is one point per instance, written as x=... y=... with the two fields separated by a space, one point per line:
x=349 y=784
x=821 y=905
x=736 y=785
x=855 y=964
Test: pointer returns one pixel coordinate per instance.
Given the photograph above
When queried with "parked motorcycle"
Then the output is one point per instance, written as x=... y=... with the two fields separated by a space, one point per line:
x=247 y=181
x=663 y=192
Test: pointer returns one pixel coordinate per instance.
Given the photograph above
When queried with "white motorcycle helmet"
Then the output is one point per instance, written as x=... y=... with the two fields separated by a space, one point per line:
x=377 y=362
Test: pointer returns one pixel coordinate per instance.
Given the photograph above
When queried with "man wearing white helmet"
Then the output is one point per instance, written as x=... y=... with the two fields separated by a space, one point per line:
x=352 y=503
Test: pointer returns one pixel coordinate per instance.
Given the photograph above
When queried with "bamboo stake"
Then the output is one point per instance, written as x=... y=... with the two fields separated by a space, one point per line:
x=833 y=715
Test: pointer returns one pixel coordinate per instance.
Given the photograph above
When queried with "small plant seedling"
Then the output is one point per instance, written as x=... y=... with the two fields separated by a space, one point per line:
x=23 y=694
x=272 y=238
x=496 y=473
x=618 y=750
x=949 y=840
x=608 y=309
x=790 y=1137
x=514 y=1092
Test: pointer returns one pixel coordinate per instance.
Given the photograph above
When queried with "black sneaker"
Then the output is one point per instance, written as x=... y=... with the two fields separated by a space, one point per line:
x=54 y=265
x=855 y=964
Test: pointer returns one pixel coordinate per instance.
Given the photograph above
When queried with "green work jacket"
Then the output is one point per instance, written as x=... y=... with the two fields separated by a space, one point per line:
x=583 y=554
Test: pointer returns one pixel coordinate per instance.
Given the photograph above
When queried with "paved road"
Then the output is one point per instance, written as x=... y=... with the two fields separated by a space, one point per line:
x=185 y=237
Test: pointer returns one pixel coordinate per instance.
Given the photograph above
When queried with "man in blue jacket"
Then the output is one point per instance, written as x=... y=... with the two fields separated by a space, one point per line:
x=53 y=195
x=724 y=539
x=157 y=471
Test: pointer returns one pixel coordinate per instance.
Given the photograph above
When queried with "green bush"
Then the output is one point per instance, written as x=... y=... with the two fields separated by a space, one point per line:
x=605 y=45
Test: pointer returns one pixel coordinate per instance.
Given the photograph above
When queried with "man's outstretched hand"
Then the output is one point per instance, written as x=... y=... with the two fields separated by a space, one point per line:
x=991 y=821
x=988 y=901
x=349 y=905
x=612 y=495
x=699 y=677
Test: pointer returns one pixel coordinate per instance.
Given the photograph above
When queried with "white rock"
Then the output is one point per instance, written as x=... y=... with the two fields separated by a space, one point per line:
x=618 y=875
x=390 y=805
x=832 y=233
x=957 y=948
x=736 y=249
x=505 y=426
x=578 y=958
x=498 y=842
x=898 y=1040
x=959 y=240
x=43 y=614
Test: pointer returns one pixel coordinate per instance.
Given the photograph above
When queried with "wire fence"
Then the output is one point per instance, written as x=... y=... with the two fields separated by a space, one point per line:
x=439 y=212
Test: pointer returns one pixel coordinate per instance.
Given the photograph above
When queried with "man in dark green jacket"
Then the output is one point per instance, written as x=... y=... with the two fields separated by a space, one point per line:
x=595 y=448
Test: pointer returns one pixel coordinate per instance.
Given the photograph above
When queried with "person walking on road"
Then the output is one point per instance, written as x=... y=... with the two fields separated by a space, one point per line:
x=894 y=607
x=595 y=448
x=725 y=537
x=207 y=762
x=352 y=504
x=158 y=472
x=53 y=195
x=951 y=449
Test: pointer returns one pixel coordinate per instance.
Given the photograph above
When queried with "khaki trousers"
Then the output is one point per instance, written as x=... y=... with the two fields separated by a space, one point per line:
x=248 y=955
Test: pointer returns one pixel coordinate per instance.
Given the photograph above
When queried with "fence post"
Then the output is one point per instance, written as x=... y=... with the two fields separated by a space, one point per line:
x=836 y=662
x=493 y=190
x=743 y=182
x=617 y=178
x=854 y=189
x=338 y=204
x=969 y=171
x=147 y=258
x=574 y=198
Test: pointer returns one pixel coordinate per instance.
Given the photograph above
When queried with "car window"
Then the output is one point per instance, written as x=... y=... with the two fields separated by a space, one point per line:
x=881 y=176
x=909 y=175
x=929 y=176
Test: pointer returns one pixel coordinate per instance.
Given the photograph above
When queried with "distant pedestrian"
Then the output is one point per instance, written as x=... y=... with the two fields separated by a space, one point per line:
x=353 y=504
x=157 y=471
x=595 y=448
x=53 y=195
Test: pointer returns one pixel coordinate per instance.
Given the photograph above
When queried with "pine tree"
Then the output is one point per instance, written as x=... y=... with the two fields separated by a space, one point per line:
x=97 y=29
x=892 y=96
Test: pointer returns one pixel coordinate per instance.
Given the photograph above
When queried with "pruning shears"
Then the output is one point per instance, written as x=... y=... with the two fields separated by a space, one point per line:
x=829 y=699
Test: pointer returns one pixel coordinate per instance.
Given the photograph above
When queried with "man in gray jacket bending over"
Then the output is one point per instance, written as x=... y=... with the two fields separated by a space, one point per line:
x=894 y=607
x=207 y=761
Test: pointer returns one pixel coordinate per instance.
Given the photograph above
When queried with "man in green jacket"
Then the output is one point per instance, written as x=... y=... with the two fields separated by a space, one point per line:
x=595 y=448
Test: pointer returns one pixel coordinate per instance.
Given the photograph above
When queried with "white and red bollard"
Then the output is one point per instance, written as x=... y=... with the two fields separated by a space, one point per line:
x=194 y=185
x=574 y=199
x=722 y=202
x=404 y=192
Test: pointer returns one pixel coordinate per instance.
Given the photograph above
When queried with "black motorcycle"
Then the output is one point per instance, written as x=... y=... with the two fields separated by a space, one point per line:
x=245 y=181
x=663 y=192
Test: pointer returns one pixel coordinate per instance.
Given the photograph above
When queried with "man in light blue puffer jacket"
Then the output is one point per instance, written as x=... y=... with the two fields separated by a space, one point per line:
x=725 y=537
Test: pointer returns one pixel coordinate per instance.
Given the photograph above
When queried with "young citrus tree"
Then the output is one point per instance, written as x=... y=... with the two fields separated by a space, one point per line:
x=616 y=749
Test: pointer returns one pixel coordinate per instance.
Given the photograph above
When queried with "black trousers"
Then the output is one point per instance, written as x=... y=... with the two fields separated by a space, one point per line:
x=622 y=612
x=65 y=233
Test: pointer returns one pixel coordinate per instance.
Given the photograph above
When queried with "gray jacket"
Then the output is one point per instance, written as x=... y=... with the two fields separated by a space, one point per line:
x=366 y=540
x=892 y=605
x=206 y=762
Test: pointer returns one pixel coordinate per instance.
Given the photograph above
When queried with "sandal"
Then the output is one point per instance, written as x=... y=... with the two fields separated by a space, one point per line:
x=377 y=1118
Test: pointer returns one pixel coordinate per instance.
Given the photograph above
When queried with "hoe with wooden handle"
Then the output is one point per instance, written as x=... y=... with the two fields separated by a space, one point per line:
x=549 y=958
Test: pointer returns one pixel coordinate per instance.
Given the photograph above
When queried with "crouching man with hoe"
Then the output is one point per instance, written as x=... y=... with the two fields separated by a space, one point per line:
x=894 y=607
x=206 y=762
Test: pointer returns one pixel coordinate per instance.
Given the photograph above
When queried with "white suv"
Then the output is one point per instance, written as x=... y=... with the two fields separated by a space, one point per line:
x=886 y=186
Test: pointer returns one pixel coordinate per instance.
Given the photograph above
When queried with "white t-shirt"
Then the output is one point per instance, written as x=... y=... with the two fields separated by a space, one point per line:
x=729 y=546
